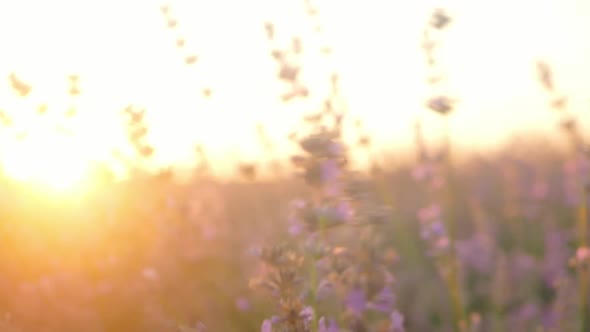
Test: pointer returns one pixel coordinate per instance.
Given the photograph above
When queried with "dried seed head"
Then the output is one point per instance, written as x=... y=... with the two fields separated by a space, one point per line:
x=569 y=124
x=559 y=103
x=191 y=59
x=248 y=171
x=545 y=75
x=19 y=86
x=289 y=72
x=440 y=19
x=270 y=30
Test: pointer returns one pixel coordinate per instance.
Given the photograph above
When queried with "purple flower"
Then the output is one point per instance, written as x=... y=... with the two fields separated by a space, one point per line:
x=550 y=319
x=356 y=301
x=397 y=321
x=429 y=213
x=295 y=227
x=556 y=252
x=437 y=228
x=343 y=211
x=423 y=171
x=296 y=223
x=383 y=301
x=332 y=215
x=306 y=314
x=330 y=326
x=440 y=104
x=325 y=289
x=242 y=304
x=476 y=252
x=324 y=174
x=266 y=326
x=329 y=171
x=442 y=243
x=335 y=149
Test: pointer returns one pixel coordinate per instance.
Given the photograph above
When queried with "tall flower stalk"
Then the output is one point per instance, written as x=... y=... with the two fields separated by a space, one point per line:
x=442 y=177
x=577 y=175
x=333 y=273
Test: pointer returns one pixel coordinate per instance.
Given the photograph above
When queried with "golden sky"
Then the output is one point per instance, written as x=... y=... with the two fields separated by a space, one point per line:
x=124 y=55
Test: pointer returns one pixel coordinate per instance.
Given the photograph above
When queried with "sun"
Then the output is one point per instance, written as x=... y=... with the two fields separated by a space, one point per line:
x=46 y=159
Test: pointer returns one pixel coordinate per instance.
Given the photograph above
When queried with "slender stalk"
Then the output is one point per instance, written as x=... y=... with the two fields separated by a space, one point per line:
x=313 y=277
x=313 y=273
x=582 y=229
x=583 y=272
x=453 y=281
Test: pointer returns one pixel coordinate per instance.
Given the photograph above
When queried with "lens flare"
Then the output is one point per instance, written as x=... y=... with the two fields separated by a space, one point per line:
x=48 y=160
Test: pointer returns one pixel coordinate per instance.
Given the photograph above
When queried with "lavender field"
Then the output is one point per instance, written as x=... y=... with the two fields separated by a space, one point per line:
x=332 y=234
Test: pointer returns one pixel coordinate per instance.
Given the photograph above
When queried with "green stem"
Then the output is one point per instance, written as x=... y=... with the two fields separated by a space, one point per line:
x=387 y=197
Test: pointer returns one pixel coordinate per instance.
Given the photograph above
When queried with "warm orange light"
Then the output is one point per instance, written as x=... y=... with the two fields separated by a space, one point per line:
x=47 y=159
x=490 y=67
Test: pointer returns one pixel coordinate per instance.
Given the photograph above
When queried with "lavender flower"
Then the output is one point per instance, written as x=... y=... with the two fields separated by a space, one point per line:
x=327 y=325
x=356 y=301
x=397 y=322
x=441 y=104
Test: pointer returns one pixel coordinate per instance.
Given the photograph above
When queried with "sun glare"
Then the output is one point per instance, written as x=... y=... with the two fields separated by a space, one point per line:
x=142 y=64
x=47 y=160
